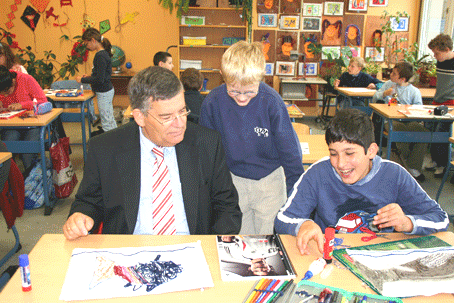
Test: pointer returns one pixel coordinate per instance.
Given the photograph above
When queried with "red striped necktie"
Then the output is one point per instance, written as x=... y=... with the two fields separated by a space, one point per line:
x=163 y=212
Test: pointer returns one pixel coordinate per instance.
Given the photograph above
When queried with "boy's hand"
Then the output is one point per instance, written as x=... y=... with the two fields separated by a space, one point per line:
x=371 y=86
x=336 y=82
x=392 y=215
x=388 y=92
x=309 y=230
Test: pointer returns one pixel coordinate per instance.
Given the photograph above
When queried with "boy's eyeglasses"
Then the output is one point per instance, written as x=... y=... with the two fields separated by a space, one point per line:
x=172 y=118
x=234 y=93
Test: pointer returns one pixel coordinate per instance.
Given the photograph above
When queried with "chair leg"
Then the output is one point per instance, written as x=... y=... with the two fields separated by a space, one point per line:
x=445 y=176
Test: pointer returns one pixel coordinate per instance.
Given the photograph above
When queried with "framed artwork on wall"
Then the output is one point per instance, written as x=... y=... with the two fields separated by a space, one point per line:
x=290 y=22
x=284 y=68
x=312 y=9
x=357 y=5
x=311 y=24
x=267 y=6
x=374 y=54
x=401 y=26
x=311 y=68
x=333 y=9
x=267 y=20
x=334 y=51
x=378 y=3
x=269 y=69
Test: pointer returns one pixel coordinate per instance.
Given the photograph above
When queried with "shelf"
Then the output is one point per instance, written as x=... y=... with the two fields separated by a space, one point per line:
x=205 y=70
x=205 y=46
x=213 y=26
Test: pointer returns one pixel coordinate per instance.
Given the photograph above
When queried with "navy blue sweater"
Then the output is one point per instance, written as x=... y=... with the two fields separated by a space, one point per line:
x=101 y=73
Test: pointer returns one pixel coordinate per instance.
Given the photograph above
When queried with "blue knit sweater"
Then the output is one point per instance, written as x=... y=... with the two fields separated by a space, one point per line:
x=258 y=138
x=321 y=190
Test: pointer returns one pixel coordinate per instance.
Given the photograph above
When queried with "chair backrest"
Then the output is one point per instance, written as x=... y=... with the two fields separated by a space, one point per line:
x=301 y=129
x=68 y=84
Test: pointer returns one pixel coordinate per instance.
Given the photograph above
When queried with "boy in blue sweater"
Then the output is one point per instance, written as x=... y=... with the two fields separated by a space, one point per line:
x=263 y=152
x=354 y=178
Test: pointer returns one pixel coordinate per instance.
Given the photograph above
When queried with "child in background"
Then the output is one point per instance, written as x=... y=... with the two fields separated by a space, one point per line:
x=192 y=81
x=163 y=59
x=354 y=178
x=411 y=154
x=355 y=78
x=100 y=77
x=8 y=59
x=261 y=144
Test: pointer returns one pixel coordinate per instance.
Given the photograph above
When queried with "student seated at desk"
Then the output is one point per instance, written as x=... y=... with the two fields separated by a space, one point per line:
x=355 y=178
x=411 y=154
x=17 y=91
x=355 y=78
x=157 y=174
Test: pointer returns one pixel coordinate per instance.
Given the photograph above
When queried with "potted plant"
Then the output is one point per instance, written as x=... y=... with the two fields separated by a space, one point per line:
x=372 y=67
x=333 y=68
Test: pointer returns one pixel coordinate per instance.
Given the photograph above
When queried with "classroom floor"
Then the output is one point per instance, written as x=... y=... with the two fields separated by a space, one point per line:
x=33 y=224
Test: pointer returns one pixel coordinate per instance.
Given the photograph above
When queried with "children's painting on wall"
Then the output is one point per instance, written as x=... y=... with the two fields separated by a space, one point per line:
x=311 y=68
x=352 y=35
x=311 y=24
x=331 y=31
x=267 y=6
x=290 y=6
x=334 y=51
x=401 y=26
x=269 y=69
x=333 y=9
x=285 y=68
x=312 y=9
x=357 y=5
x=372 y=35
x=268 y=40
x=267 y=20
x=290 y=22
x=308 y=43
x=286 y=42
x=356 y=51
x=374 y=54
x=378 y=3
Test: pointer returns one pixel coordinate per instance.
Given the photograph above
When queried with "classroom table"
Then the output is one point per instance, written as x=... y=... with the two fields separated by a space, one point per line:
x=427 y=94
x=50 y=257
x=391 y=114
x=43 y=123
x=317 y=148
x=68 y=116
x=349 y=92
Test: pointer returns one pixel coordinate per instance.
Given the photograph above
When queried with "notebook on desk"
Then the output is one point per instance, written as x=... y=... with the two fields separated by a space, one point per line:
x=6 y=114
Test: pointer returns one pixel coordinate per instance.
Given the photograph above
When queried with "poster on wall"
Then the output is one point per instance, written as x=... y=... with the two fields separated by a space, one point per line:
x=308 y=42
x=378 y=3
x=290 y=22
x=268 y=40
x=310 y=24
x=269 y=69
x=285 y=42
x=285 y=68
x=312 y=9
x=333 y=51
x=401 y=26
x=290 y=6
x=374 y=54
x=357 y=5
x=267 y=6
x=311 y=68
x=267 y=20
x=331 y=31
x=333 y=9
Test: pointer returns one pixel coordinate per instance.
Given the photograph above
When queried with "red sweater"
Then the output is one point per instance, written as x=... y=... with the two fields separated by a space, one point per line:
x=26 y=89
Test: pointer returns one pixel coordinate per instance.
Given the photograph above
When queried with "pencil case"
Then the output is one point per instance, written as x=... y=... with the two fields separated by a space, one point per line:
x=44 y=108
x=308 y=291
x=67 y=94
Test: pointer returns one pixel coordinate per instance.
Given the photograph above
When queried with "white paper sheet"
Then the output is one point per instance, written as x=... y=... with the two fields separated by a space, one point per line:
x=305 y=148
x=85 y=281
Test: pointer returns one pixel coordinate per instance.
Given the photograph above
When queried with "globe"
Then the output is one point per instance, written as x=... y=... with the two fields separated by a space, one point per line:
x=118 y=58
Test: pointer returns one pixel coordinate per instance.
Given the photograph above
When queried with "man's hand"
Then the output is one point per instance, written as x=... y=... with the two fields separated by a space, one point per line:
x=371 y=86
x=77 y=226
x=15 y=106
x=392 y=215
x=336 y=82
x=309 y=230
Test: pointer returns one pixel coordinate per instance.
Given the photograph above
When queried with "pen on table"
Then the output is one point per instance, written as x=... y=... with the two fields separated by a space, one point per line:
x=279 y=287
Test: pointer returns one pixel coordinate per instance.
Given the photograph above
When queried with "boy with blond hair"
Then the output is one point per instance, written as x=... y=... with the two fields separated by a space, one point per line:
x=263 y=151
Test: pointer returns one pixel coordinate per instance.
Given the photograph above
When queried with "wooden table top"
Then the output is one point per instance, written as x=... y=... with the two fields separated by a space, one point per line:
x=40 y=120
x=5 y=156
x=427 y=92
x=87 y=95
x=357 y=91
x=392 y=112
x=317 y=147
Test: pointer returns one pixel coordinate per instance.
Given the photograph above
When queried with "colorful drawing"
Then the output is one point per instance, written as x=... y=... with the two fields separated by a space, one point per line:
x=267 y=20
x=285 y=68
x=357 y=5
x=402 y=26
x=306 y=42
x=333 y=51
x=287 y=45
x=331 y=32
x=289 y=22
x=352 y=35
x=374 y=54
x=334 y=8
x=378 y=3
x=311 y=68
x=376 y=38
x=311 y=24
x=267 y=6
x=266 y=46
x=312 y=9
x=269 y=69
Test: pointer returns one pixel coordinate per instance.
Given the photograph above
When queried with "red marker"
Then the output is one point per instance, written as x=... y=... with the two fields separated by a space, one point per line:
x=329 y=244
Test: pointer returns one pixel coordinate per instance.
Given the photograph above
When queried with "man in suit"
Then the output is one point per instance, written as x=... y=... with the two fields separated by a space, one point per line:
x=116 y=188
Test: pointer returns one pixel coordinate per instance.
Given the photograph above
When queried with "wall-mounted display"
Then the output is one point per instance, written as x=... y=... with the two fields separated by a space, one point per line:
x=311 y=24
x=374 y=54
x=312 y=9
x=357 y=5
x=267 y=20
x=267 y=6
x=334 y=51
x=378 y=3
x=311 y=68
x=331 y=31
x=269 y=69
x=401 y=26
x=333 y=9
x=285 y=68
x=289 y=22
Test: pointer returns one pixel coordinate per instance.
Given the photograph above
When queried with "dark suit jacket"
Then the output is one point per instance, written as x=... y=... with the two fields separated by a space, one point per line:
x=110 y=189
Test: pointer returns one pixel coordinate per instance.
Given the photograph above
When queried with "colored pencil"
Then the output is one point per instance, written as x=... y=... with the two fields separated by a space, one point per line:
x=267 y=292
x=254 y=291
x=283 y=289
x=280 y=284
x=264 y=285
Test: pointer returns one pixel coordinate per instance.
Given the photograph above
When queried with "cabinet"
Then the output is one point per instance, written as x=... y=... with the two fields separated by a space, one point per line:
x=220 y=22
